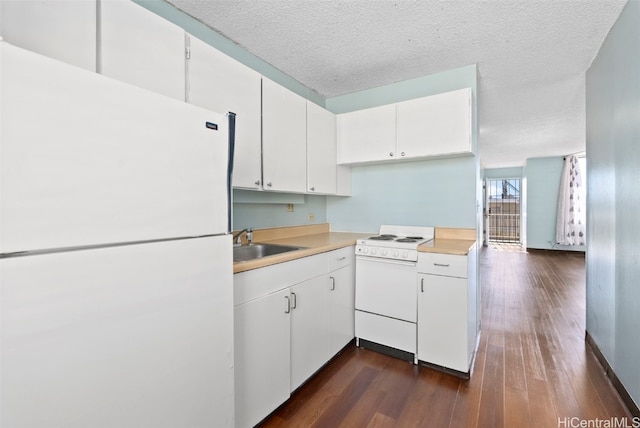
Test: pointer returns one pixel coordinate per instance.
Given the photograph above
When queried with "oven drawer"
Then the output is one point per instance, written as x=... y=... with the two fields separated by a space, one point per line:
x=443 y=264
x=386 y=331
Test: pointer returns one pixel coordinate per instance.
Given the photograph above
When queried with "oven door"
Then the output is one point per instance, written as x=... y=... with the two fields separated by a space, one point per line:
x=387 y=287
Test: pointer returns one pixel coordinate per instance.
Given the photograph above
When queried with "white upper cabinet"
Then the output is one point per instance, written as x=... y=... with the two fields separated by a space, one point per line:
x=436 y=125
x=139 y=47
x=367 y=135
x=64 y=30
x=218 y=82
x=321 y=150
x=284 y=139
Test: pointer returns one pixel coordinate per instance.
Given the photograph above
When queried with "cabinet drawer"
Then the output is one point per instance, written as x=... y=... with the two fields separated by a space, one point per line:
x=443 y=264
x=257 y=283
x=341 y=258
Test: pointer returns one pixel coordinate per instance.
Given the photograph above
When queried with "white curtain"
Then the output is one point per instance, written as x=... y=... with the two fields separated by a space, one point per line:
x=570 y=224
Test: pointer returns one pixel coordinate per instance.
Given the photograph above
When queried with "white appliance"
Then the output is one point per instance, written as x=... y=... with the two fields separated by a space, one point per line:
x=386 y=289
x=115 y=258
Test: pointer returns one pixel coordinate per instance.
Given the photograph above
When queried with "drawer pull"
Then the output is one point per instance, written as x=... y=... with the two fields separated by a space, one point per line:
x=441 y=264
x=341 y=258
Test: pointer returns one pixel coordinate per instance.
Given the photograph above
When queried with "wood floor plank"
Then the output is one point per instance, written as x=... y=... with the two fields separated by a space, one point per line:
x=516 y=408
x=342 y=405
x=491 y=413
x=532 y=364
x=466 y=408
x=381 y=421
x=541 y=406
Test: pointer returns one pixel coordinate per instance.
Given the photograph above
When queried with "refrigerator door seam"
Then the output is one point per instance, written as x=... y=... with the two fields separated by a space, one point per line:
x=99 y=246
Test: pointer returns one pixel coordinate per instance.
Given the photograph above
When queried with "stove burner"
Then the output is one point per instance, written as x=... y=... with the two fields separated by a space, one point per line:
x=417 y=238
x=383 y=238
x=407 y=239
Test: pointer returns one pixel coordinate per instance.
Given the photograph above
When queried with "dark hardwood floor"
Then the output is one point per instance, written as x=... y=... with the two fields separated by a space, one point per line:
x=532 y=369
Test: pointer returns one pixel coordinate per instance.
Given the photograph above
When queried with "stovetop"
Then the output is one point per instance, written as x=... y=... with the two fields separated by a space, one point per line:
x=395 y=242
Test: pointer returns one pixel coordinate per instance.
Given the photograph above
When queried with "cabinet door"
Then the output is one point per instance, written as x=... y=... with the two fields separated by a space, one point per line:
x=367 y=135
x=64 y=30
x=442 y=321
x=222 y=84
x=435 y=125
x=284 y=139
x=321 y=150
x=141 y=48
x=341 y=308
x=262 y=356
x=308 y=329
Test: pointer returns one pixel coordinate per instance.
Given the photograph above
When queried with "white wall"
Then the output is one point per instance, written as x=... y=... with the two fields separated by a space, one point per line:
x=613 y=199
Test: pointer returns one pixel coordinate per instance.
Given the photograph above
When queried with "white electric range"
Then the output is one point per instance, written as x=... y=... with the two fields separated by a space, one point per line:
x=386 y=289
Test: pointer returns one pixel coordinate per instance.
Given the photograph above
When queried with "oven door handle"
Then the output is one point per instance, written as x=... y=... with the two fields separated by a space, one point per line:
x=388 y=261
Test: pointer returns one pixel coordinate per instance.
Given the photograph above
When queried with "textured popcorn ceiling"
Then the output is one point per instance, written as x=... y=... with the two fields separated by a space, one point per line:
x=532 y=55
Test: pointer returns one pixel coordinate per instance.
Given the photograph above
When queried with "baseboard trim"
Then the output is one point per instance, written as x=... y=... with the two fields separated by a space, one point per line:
x=558 y=251
x=617 y=384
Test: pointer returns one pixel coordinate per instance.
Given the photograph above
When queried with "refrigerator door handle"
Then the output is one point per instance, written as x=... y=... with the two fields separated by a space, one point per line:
x=232 y=144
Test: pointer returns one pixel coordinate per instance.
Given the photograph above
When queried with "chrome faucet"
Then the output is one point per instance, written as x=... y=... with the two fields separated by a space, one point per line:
x=237 y=236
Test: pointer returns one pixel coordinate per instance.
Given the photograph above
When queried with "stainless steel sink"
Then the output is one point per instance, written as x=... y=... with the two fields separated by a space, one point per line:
x=255 y=251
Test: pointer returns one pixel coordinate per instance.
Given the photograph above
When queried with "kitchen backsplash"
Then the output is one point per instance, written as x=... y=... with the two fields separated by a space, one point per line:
x=312 y=210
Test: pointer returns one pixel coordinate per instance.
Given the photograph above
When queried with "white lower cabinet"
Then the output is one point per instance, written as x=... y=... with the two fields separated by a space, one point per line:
x=308 y=329
x=262 y=331
x=447 y=311
x=290 y=320
x=341 y=304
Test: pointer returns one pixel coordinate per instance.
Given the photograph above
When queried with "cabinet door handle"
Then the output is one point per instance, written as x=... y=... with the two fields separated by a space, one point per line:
x=257 y=182
x=422 y=285
x=402 y=154
x=441 y=264
x=295 y=301
x=312 y=189
x=333 y=283
x=341 y=258
x=286 y=311
x=390 y=153
x=269 y=184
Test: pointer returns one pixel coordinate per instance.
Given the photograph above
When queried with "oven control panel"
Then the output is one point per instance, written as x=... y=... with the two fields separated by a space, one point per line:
x=387 y=253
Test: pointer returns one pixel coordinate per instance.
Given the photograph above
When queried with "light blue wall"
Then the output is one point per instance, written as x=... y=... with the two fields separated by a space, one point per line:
x=274 y=214
x=613 y=200
x=218 y=41
x=438 y=192
x=514 y=172
x=450 y=80
x=424 y=193
x=543 y=185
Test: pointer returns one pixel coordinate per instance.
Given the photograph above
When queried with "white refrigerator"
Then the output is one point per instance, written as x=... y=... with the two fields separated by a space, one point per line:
x=116 y=303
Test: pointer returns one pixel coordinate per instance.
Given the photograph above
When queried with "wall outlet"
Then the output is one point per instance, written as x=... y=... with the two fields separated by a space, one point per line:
x=311 y=216
x=290 y=208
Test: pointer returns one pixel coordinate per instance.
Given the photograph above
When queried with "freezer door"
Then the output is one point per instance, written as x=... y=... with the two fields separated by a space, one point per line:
x=135 y=336
x=90 y=160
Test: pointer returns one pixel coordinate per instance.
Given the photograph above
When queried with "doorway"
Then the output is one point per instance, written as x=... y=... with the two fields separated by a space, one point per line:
x=502 y=210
